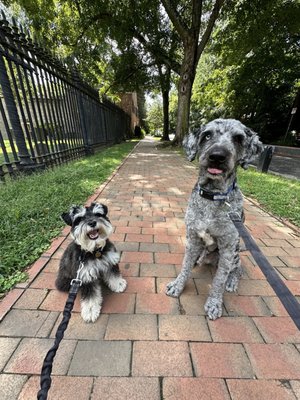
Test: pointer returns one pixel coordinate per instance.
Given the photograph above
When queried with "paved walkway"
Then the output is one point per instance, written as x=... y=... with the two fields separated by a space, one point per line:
x=146 y=345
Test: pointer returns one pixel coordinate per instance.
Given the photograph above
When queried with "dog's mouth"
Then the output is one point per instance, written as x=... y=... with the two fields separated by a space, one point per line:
x=215 y=171
x=93 y=235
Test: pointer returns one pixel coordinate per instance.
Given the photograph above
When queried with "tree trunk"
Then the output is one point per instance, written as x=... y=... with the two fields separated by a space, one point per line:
x=165 y=78
x=165 y=96
x=186 y=81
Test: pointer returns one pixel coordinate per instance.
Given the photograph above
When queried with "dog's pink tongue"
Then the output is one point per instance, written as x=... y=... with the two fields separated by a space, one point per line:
x=214 y=171
x=93 y=234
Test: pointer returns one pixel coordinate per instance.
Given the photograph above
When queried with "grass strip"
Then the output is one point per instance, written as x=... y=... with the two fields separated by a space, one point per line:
x=32 y=205
x=277 y=195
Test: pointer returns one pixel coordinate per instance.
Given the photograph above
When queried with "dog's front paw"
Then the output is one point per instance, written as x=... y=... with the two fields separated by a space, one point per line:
x=174 y=289
x=213 y=308
x=90 y=312
x=117 y=285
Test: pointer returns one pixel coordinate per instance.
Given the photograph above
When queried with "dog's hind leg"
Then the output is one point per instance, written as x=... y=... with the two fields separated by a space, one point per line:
x=91 y=301
x=194 y=248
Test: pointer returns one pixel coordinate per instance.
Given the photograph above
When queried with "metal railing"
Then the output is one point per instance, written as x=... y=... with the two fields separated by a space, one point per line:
x=48 y=115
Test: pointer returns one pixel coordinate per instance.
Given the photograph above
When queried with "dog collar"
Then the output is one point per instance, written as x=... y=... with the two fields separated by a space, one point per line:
x=207 y=194
x=96 y=253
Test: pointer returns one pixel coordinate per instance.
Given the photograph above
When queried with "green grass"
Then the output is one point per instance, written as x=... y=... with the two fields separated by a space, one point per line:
x=277 y=195
x=31 y=207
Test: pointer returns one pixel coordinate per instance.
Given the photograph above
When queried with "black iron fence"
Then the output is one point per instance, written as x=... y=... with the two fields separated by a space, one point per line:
x=48 y=115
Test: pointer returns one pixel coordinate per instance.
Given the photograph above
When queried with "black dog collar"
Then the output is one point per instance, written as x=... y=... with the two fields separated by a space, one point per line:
x=96 y=253
x=207 y=194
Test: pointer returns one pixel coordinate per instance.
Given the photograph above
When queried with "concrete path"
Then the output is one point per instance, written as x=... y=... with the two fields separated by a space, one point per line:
x=146 y=345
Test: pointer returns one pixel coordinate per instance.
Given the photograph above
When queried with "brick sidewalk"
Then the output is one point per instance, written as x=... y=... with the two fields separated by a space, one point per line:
x=146 y=345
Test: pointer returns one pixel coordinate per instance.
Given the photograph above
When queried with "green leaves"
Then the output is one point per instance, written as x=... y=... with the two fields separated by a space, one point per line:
x=254 y=66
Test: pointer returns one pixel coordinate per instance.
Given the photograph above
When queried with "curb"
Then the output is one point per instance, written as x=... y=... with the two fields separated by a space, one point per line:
x=37 y=267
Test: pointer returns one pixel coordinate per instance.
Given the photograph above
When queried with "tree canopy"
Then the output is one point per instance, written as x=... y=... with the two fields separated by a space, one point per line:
x=251 y=69
x=248 y=53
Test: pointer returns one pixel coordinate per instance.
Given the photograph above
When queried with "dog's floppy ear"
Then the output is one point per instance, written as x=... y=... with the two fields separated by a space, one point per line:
x=68 y=217
x=105 y=209
x=191 y=144
x=102 y=207
x=253 y=147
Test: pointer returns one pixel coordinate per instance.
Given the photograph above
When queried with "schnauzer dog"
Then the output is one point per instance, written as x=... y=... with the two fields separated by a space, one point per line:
x=222 y=145
x=91 y=256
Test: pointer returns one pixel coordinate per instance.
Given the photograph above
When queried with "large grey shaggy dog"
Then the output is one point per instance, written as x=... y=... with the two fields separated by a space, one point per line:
x=222 y=145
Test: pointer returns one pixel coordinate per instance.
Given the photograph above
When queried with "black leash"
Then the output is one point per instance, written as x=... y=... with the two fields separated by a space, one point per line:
x=45 y=381
x=284 y=294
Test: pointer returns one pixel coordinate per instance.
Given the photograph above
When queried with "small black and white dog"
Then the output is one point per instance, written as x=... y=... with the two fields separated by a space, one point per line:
x=92 y=256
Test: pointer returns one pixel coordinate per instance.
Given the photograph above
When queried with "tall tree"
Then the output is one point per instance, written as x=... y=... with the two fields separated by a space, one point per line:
x=129 y=21
x=188 y=18
x=118 y=46
x=251 y=68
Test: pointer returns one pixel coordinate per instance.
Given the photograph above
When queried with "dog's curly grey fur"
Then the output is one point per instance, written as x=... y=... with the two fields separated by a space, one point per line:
x=222 y=145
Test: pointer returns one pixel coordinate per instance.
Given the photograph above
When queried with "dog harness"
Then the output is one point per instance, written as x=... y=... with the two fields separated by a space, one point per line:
x=207 y=194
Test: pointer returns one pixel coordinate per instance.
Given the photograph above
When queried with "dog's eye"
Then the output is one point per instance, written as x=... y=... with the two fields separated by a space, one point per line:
x=98 y=215
x=206 y=137
x=239 y=139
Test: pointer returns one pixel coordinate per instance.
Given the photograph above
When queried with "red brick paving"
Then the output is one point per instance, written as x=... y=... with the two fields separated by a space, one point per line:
x=235 y=330
x=63 y=388
x=157 y=358
x=274 y=361
x=241 y=389
x=156 y=303
x=167 y=349
x=126 y=388
x=220 y=360
x=194 y=389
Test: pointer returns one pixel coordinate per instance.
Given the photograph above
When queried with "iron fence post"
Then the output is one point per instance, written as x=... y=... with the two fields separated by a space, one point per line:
x=50 y=115
x=79 y=95
x=13 y=116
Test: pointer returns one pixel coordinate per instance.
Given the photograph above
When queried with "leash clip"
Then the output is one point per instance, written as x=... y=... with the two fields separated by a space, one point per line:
x=234 y=216
x=75 y=285
x=77 y=282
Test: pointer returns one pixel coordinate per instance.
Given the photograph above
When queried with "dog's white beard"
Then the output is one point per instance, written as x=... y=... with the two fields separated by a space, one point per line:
x=80 y=236
x=90 y=245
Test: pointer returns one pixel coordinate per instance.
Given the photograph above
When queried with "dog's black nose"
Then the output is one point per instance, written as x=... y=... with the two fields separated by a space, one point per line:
x=217 y=156
x=92 y=224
